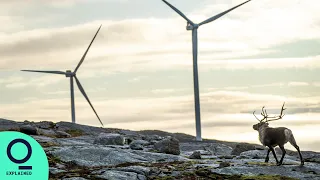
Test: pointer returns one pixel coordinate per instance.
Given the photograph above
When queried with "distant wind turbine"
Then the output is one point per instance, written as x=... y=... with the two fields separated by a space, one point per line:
x=194 y=27
x=72 y=75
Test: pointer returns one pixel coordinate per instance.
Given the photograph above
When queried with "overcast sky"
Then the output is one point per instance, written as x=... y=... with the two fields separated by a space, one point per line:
x=138 y=72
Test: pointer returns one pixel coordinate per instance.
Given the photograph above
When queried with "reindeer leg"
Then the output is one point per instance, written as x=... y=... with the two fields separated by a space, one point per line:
x=274 y=154
x=294 y=144
x=267 y=157
x=283 y=154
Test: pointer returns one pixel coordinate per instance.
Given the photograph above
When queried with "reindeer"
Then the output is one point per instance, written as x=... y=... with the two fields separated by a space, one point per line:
x=272 y=137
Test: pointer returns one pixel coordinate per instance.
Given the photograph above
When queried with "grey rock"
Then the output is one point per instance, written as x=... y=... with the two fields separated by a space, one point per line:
x=224 y=164
x=169 y=146
x=45 y=125
x=141 y=177
x=261 y=154
x=153 y=138
x=212 y=148
x=309 y=156
x=255 y=154
x=109 y=139
x=241 y=147
x=60 y=166
x=29 y=130
x=61 y=134
x=266 y=170
x=91 y=156
x=46 y=142
x=195 y=155
x=74 y=141
x=138 y=144
x=175 y=173
x=206 y=165
x=42 y=139
x=87 y=130
x=136 y=169
x=47 y=132
x=119 y=175
x=53 y=170
x=75 y=178
x=6 y=125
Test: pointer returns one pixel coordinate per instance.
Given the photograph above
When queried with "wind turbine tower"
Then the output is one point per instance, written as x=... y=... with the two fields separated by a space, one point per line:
x=72 y=75
x=191 y=26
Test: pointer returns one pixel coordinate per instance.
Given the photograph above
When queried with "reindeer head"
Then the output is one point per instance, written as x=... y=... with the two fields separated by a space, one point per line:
x=264 y=121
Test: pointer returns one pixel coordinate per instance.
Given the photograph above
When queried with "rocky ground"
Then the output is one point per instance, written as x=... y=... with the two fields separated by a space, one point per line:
x=79 y=152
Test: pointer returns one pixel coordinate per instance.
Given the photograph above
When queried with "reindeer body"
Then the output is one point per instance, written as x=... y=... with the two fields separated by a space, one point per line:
x=272 y=137
x=269 y=136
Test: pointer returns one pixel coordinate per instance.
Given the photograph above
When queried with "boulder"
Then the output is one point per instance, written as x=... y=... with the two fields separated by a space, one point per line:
x=242 y=147
x=74 y=178
x=109 y=139
x=169 y=145
x=138 y=144
x=97 y=156
x=153 y=138
x=61 y=134
x=47 y=132
x=45 y=125
x=29 y=130
x=195 y=155
x=224 y=164
x=255 y=154
x=120 y=175
x=136 y=169
x=8 y=125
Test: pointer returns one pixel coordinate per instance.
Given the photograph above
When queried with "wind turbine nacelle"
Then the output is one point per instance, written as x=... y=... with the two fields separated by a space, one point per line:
x=189 y=27
x=69 y=73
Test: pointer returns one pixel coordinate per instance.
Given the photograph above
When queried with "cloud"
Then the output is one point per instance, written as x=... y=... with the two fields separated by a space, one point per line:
x=137 y=79
x=167 y=91
x=261 y=35
x=143 y=44
x=269 y=85
x=37 y=81
x=298 y=84
x=316 y=84
x=157 y=109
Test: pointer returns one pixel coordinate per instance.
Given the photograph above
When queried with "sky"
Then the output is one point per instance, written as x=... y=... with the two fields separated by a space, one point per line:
x=138 y=72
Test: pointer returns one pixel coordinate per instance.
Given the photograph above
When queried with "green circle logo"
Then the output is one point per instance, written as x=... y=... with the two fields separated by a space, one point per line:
x=22 y=157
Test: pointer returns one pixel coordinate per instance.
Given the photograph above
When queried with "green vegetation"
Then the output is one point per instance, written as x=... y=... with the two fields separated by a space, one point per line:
x=204 y=173
x=75 y=132
x=48 y=144
x=53 y=160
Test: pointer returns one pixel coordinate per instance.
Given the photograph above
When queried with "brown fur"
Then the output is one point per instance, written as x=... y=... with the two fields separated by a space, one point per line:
x=272 y=137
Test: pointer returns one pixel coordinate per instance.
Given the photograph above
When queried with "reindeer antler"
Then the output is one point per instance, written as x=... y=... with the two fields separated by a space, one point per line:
x=266 y=116
x=278 y=117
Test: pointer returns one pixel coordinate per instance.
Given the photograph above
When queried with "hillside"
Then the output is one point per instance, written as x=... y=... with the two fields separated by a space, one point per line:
x=78 y=152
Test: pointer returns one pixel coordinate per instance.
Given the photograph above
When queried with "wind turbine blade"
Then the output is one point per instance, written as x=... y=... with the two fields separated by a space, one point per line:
x=85 y=95
x=51 y=72
x=84 y=55
x=179 y=12
x=221 y=14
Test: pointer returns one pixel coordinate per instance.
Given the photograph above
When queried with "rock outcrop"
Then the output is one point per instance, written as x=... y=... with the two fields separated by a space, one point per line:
x=169 y=145
x=109 y=139
x=76 y=152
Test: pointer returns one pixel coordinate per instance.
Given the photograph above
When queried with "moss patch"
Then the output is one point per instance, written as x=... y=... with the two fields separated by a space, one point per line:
x=53 y=160
x=260 y=163
x=267 y=177
x=48 y=144
x=75 y=132
x=204 y=173
x=186 y=168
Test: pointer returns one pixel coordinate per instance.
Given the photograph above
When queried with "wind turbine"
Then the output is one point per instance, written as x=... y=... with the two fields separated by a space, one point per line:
x=194 y=27
x=72 y=75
